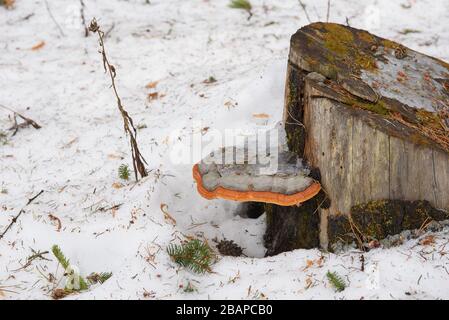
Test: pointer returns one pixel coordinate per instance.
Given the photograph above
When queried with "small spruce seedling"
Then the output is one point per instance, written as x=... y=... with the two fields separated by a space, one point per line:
x=189 y=288
x=83 y=284
x=123 y=172
x=194 y=255
x=336 y=281
x=66 y=264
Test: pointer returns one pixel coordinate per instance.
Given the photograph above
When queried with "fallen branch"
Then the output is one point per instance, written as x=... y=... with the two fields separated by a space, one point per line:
x=130 y=130
x=114 y=207
x=14 y=220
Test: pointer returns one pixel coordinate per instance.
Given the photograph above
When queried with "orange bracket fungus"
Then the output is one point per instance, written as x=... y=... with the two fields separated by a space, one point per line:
x=283 y=179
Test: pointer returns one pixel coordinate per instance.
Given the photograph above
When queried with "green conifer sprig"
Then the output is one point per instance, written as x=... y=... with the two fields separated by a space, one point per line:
x=3 y=135
x=194 y=255
x=123 y=172
x=65 y=264
x=336 y=281
x=104 y=276
x=60 y=256
x=189 y=288
x=241 y=4
x=99 y=277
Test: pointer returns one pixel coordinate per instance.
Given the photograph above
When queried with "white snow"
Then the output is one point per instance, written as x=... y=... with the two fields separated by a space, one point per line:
x=75 y=156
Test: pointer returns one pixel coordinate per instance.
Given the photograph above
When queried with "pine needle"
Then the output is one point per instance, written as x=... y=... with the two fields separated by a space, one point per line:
x=194 y=255
x=336 y=281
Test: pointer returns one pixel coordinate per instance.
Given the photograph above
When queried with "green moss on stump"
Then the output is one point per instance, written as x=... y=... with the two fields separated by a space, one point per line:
x=339 y=53
x=381 y=218
x=293 y=103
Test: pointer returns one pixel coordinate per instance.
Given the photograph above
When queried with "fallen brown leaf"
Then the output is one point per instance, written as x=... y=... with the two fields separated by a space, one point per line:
x=38 y=46
x=59 y=294
x=428 y=240
x=308 y=282
x=309 y=263
x=319 y=262
x=8 y=3
x=167 y=216
x=114 y=156
x=373 y=244
x=117 y=185
x=152 y=85
x=57 y=220
x=261 y=115
x=153 y=96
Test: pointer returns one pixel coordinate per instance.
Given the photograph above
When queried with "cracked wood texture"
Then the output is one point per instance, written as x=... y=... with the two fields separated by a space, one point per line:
x=376 y=125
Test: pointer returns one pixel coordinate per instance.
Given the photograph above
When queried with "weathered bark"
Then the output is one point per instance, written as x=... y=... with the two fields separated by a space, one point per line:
x=373 y=117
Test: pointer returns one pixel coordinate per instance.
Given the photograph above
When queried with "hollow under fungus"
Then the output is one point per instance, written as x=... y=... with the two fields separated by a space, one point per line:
x=283 y=179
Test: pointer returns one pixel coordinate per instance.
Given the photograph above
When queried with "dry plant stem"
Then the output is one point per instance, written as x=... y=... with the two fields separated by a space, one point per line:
x=357 y=233
x=14 y=220
x=303 y=6
x=53 y=18
x=328 y=10
x=128 y=125
x=16 y=126
x=250 y=14
x=83 y=19
x=108 y=32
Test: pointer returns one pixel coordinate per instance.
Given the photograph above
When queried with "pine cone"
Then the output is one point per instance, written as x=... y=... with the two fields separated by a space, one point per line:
x=229 y=248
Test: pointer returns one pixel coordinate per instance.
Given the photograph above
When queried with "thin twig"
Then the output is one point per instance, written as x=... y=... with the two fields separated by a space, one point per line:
x=328 y=10
x=54 y=20
x=83 y=18
x=16 y=126
x=14 y=220
x=108 y=32
x=303 y=6
x=128 y=124
x=297 y=122
x=359 y=238
x=34 y=256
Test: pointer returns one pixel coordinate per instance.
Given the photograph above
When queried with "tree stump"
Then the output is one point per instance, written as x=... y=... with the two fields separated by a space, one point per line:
x=373 y=117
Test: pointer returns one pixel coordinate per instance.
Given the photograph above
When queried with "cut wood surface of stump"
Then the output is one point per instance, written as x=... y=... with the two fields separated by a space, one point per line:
x=375 y=121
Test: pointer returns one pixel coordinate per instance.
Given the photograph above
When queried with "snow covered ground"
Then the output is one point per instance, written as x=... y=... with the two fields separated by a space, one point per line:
x=74 y=157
